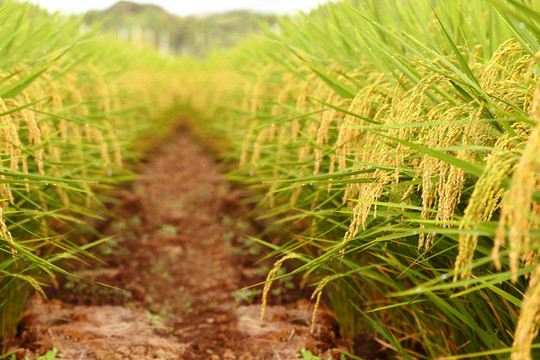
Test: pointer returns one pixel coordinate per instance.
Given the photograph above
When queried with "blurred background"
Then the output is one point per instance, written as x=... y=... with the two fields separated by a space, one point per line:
x=181 y=27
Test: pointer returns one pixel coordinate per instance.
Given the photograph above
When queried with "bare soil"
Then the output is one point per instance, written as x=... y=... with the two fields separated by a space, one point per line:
x=180 y=257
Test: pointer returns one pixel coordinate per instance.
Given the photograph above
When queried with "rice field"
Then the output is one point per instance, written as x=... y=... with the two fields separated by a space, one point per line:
x=392 y=147
x=396 y=143
x=74 y=109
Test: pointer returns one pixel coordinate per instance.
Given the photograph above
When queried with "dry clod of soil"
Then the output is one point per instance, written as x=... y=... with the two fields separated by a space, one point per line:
x=96 y=332
x=285 y=329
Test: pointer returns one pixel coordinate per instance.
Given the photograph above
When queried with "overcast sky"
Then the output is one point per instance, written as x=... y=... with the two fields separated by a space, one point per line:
x=188 y=7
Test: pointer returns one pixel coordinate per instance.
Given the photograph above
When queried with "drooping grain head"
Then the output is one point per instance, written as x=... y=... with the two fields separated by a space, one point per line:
x=270 y=277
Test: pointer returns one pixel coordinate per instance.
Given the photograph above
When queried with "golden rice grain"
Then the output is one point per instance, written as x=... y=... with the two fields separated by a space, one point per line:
x=270 y=278
x=517 y=204
x=529 y=318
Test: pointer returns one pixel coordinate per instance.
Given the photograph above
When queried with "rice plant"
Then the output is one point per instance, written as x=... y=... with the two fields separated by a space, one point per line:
x=398 y=141
x=73 y=107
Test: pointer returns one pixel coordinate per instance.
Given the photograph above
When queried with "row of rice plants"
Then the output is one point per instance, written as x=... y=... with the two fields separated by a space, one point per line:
x=402 y=139
x=73 y=108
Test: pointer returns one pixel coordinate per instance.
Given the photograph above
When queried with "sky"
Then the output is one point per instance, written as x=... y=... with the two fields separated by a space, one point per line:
x=188 y=7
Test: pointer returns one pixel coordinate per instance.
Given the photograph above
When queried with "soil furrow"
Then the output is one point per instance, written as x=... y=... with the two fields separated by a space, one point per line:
x=180 y=256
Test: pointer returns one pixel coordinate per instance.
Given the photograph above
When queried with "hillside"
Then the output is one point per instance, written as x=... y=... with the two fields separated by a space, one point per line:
x=191 y=35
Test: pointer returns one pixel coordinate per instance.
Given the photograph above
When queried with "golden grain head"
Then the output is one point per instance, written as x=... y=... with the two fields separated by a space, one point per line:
x=270 y=277
x=517 y=204
x=527 y=326
x=483 y=202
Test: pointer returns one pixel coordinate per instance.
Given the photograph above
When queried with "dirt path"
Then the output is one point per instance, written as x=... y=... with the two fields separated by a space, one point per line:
x=181 y=258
